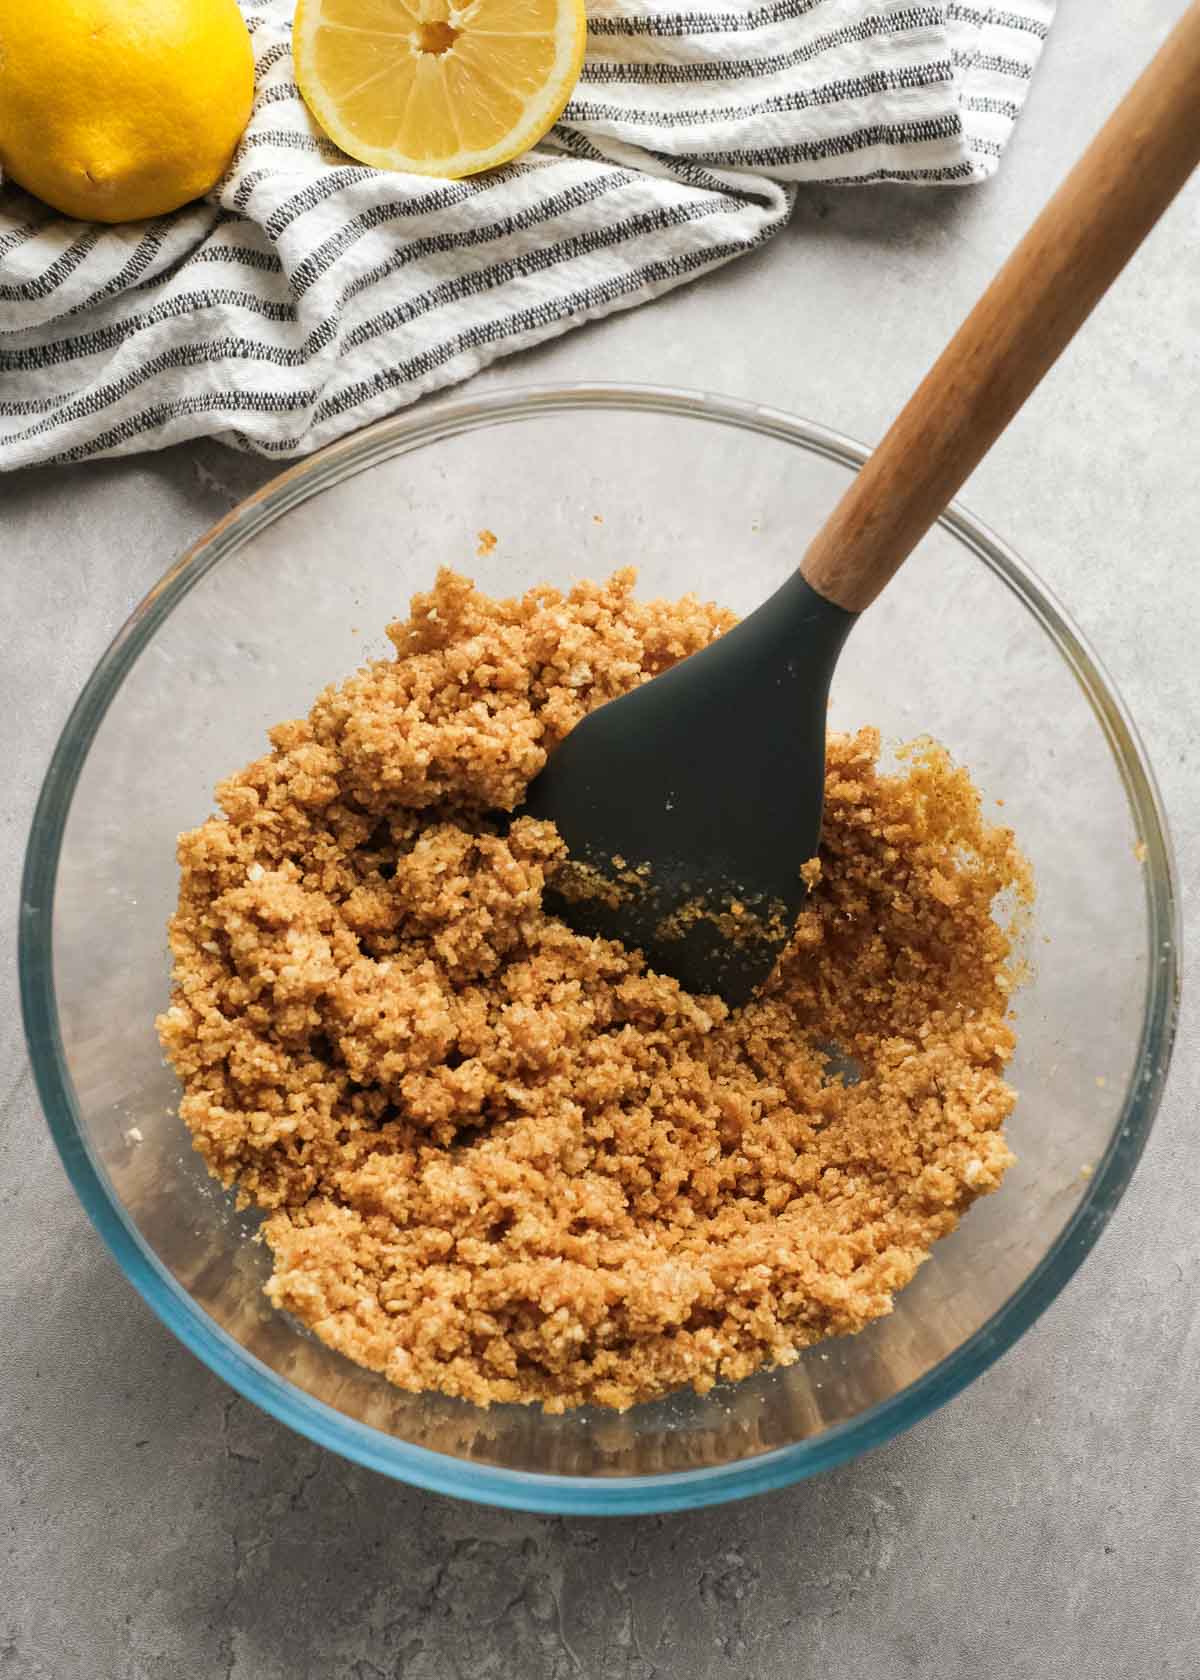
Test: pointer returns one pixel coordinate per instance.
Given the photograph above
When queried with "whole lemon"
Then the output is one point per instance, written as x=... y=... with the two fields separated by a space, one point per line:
x=117 y=109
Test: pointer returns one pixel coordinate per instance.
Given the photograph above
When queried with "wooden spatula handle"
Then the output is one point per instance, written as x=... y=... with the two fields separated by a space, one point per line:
x=1026 y=318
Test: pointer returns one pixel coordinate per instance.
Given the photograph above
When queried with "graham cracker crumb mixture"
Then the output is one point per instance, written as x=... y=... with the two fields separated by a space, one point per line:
x=505 y=1161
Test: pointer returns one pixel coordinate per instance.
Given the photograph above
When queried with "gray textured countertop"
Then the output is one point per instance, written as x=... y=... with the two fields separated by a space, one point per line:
x=1045 y=1523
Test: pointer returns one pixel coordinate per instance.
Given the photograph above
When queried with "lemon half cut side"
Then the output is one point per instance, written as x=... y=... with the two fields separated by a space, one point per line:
x=435 y=88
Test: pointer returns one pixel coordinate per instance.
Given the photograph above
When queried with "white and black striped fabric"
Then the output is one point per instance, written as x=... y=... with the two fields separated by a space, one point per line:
x=308 y=295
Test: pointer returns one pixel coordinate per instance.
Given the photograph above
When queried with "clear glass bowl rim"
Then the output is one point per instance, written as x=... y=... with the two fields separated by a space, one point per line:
x=421 y=1466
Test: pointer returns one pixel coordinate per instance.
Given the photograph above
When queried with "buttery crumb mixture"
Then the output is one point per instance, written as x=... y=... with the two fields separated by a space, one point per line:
x=504 y=1161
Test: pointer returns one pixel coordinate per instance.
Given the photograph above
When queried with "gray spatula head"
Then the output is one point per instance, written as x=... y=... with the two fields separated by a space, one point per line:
x=689 y=806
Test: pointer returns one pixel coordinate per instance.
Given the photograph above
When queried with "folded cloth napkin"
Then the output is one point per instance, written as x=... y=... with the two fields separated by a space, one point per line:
x=307 y=294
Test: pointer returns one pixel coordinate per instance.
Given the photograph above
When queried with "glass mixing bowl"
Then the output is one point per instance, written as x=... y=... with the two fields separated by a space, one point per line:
x=292 y=590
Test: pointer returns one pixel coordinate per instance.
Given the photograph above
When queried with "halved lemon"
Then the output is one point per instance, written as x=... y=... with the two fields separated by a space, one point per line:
x=433 y=87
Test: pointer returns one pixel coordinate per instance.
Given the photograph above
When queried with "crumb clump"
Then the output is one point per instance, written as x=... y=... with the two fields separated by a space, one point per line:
x=505 y=1161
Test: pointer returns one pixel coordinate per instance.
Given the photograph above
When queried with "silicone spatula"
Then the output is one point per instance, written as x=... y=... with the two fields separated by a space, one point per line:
x=689 y=805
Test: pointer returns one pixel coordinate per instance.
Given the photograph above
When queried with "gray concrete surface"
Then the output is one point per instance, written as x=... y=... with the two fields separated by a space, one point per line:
x=1045 y=1523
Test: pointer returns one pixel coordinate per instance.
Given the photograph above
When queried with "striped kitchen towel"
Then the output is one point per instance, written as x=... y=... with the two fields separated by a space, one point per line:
x=307 y=295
